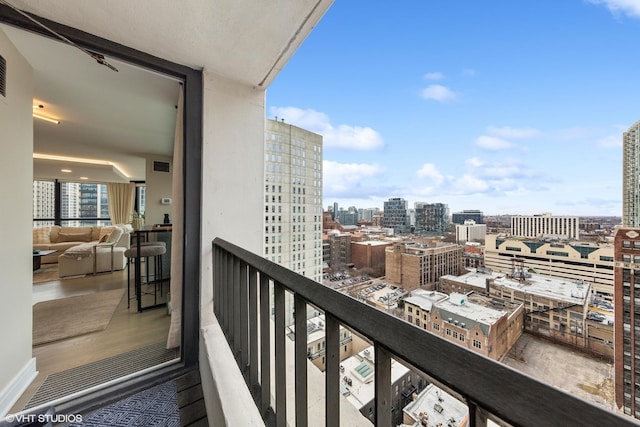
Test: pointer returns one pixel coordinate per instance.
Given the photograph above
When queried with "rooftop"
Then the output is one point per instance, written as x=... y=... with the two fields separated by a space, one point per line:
x=425 y=299
x=459 y=305
x=359 y=369
x=569 y=291
x=553 y=240
x=436 y=407
x=372 y=243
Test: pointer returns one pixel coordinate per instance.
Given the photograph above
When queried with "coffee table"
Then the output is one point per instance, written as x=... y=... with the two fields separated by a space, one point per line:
x=37 y=258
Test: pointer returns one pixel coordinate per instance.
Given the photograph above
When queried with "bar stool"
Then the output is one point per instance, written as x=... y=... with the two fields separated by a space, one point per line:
x=147 y=251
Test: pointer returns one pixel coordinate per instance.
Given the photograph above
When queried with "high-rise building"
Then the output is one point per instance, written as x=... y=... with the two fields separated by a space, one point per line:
x=432 y=217
x=631 y=176
x=627 y=348
x=339 y=249
x=470 y=232
x=545 y=225
x=367 y=214
x=461 y=217
x=396 y=215
x=415 y=265
x=43 y=202
x=348 y=217
x=293 y=199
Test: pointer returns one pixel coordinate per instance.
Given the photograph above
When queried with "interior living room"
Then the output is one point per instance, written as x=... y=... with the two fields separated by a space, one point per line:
x=103 y=142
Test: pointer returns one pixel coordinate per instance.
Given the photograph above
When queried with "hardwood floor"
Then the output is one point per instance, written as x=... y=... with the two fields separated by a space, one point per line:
x=128 y=330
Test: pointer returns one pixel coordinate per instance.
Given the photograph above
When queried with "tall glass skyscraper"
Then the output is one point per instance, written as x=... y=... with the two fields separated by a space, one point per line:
x=631 y=176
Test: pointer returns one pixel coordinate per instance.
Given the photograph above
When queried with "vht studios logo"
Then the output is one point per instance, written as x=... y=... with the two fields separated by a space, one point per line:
x=43 y=418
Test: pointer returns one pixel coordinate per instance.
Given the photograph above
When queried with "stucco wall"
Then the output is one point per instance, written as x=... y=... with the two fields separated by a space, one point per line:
x=233 y=172
x=17 y=367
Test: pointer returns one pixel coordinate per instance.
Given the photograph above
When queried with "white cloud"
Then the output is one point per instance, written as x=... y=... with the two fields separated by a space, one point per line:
x=474 y=162
x=512 y=133
x=429 y=170
x=342 y=179
x=493 y=143
x=308 y=119
x=610 y=141
x=434 y=76
x=439 y=93
x=342 y=136
x=469 y=184
x=353 y=137
x=507 y=175
x=572 y=133
x=627 y=7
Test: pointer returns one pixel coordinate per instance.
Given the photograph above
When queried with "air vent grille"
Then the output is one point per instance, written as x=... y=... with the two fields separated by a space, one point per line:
x=160 y=166
x=3 y=77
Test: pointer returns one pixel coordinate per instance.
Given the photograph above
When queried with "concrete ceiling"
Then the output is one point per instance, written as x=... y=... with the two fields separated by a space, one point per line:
x=123 y=117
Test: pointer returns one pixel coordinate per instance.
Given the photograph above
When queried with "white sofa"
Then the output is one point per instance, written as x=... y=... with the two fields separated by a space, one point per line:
x=75 y=248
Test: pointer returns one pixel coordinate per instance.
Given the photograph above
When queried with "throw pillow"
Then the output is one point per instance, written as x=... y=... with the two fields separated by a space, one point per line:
x=53 y=236
x=41 y=235
x=103 y=238
x=105 y=231
x=115 y=235
x=74 y=237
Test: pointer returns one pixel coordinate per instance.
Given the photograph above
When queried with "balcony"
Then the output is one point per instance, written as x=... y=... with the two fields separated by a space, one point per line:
x=243 y=283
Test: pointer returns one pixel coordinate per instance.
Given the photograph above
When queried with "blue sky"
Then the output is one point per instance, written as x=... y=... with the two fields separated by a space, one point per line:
x=504 y=106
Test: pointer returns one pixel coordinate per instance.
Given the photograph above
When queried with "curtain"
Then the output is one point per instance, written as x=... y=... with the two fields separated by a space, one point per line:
x=120 y=197
x=177 y=229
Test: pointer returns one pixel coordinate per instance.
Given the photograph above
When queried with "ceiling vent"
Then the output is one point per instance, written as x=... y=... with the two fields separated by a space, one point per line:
x=160 y=166
x=3 y=77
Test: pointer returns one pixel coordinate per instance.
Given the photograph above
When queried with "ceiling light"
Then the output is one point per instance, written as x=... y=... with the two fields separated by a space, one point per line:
x=48 y=119
x=66 y=170
x=78 y=160
x=84 y=177
x=71 y=159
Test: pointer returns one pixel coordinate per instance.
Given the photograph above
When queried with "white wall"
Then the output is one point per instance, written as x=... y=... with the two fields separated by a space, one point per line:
x=16 y=163
x=158 y=186
x=233 y=176
x=232 y=181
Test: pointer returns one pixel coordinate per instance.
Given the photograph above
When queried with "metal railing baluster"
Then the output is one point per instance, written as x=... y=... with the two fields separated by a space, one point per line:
x=280 y=356
x=265 y=345
x=253 y=328
x=332 y=371
x=300 y=308
x=382 y=386
x=244 y=318
x=236 y=331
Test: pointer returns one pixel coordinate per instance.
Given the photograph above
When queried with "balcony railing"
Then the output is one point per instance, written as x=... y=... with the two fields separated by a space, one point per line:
x=490 y=389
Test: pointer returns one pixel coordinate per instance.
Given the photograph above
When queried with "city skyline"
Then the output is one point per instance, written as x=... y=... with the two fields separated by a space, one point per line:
x=526 y=116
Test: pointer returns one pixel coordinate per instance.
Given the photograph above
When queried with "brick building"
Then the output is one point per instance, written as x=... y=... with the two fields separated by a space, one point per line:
x=627 y=303
x=369 y=254
x=482 y=324
x=555 y=308
x=416 y=265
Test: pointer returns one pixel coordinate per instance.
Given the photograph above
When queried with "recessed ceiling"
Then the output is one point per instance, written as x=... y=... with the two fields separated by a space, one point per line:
x=64 y=170
x=120 y=117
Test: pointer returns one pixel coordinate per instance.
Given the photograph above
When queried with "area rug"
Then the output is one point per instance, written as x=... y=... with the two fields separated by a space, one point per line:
x=80 y=378
x=46 y=274
x=69 y=317
x=157 y=406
